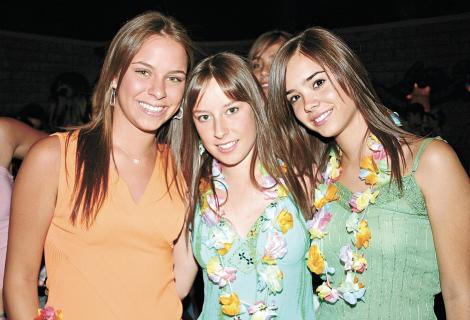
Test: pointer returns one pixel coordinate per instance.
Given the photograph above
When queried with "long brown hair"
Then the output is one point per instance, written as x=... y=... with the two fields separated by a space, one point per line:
x=236 y=80
x=330 y=51
x=94 y=145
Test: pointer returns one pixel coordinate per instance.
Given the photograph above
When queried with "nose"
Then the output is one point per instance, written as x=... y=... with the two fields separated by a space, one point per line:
x=157 y=89
x=220 y=128
x=265 y=69
x=310 y=104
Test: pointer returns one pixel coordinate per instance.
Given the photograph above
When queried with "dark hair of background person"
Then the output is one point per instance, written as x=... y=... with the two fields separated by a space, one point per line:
x=70 y=104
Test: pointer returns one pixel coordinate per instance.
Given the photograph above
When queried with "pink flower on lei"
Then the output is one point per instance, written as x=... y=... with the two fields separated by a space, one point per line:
x=275 y=248
x=218 y=274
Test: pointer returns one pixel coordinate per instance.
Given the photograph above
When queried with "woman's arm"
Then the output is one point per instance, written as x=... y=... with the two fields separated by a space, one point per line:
x=185 y=268
x=15 y=139
x=446 y=189
x=33 y=203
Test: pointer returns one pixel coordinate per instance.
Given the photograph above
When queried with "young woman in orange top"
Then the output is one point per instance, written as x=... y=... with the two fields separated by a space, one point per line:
x=104 y=200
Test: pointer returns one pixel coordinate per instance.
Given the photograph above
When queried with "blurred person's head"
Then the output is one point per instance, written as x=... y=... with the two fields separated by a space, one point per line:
x=262 y=53
x=70 y=98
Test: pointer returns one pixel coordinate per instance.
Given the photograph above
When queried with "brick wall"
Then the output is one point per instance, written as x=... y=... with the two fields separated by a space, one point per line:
x=389 y=50
x=28 y=63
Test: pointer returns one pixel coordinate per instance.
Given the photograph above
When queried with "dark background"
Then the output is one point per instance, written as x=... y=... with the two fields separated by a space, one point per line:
x=212 y=20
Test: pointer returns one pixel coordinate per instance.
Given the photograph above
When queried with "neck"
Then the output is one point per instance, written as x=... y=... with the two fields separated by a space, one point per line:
x=240 y=173
x=135 y=148
x=352 y=140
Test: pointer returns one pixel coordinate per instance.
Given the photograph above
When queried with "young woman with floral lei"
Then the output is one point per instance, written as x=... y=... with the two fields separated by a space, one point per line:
x=387 y=203
x=248 y=233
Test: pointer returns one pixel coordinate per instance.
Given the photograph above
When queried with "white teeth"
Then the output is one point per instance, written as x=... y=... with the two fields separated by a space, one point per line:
x=227 y=145
x=150 y=108
x=322 y=116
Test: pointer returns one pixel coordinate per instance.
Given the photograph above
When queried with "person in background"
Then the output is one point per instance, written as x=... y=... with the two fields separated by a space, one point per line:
x=248 y=232
x=382 y=232
x=105 y=201
x=70 y=103
x=16 y=138
x=262 y=53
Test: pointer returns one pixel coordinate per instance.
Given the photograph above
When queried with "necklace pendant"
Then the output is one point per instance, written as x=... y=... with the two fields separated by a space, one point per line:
x=136 y=161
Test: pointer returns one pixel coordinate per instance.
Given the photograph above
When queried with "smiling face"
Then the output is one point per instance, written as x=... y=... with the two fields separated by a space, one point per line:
x=152 y=87
x=226 y=127
x=261 y=64
x=317 y=99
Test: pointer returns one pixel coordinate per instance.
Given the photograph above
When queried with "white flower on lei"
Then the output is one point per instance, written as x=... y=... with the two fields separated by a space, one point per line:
x=275 y=248
x=271 y=277
x=260 y=311
x=220 y=237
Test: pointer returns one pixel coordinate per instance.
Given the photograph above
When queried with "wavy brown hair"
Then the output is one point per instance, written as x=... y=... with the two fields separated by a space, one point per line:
x=233 y=75
x=330 y=51
x=94 y=145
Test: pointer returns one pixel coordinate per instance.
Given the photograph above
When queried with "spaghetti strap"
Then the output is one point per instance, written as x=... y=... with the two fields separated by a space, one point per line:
x=421 y=149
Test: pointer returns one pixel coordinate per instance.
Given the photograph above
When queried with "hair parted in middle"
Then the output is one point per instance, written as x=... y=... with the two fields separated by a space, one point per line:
x=266 y=40
x=236 y=80
x=94 y=146
x=334 y=55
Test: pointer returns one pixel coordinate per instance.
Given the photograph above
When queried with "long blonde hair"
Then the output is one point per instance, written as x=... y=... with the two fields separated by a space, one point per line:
x=94 y=144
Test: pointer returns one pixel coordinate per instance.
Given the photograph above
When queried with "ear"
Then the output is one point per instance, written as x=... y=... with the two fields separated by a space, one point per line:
x=114 y=83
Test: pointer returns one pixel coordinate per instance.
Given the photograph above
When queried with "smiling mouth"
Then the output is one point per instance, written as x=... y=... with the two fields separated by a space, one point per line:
x=229 y=146
x=150 y=108
x=322 y=117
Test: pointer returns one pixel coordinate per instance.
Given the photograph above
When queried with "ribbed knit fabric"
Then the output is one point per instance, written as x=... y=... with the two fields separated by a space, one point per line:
x=122 y=267
x=402 y=273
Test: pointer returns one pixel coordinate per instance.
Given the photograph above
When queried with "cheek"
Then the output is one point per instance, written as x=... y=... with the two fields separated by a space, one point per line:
x=300 y=114
x=176 y=93
x=203 y=132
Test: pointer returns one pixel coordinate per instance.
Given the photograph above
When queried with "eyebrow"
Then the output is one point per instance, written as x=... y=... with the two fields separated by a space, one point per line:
x=310 y=77
x=227 y=105
x=151 y=67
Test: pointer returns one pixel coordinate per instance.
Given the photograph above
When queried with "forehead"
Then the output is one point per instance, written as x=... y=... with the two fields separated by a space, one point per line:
x=162 y=50
x=300 y=67
x=212 y=96
x=268 y=51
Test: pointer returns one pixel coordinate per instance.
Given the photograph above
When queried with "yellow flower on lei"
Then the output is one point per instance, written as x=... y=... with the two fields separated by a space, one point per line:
x=230 y=304
x=225 y=249
x=213 y=265
x=363 y=236
x=330 y=195
x=335 y=167
x=369 y=164
x=281 y=191
x=362 y=201
x=285 y=221
x=315 y=261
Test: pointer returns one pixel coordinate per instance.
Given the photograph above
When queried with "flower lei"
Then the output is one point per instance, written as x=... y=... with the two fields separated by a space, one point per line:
x=374 y=172
x=278 y=221
x=48 y=313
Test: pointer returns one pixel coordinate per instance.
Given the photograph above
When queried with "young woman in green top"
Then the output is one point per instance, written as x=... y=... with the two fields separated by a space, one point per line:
x=387 y=202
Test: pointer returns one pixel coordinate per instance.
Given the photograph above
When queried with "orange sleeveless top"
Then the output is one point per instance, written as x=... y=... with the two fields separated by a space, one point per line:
x=122 y=266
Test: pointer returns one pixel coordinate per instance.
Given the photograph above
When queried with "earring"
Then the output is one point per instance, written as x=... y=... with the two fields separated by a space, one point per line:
x=112 y=99
x=201 y=148
x=179 y=115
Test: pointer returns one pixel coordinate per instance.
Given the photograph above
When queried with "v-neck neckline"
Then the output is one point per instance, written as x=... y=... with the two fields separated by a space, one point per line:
x=245 y=238
x=141 y=199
